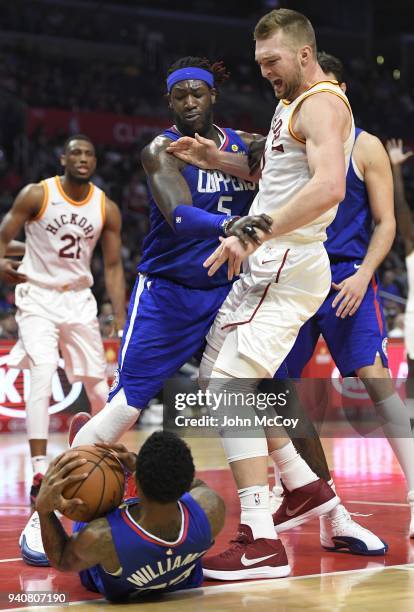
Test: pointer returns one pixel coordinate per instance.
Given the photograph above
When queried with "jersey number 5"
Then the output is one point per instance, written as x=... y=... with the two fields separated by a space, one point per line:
x=224 y=209
x=72 y=249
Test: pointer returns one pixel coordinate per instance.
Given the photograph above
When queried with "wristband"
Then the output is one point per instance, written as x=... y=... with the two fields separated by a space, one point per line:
x=192 y=222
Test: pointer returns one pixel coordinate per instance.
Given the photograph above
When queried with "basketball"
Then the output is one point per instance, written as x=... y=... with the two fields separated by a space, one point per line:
x=102 y=490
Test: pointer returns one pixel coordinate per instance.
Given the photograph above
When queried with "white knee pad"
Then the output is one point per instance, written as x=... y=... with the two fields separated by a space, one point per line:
x=97 y=392
x=243 y=442
x=109 y=424
x=37 y=406
x=244 y=448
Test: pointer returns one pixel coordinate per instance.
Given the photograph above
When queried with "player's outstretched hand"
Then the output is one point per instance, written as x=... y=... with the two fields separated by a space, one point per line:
x=396 y=153
x=9 y=273
x=232 y=251
x=351 y=292
x=128 y=459
x=245 y=228
x=198 y=151
x=57 y=477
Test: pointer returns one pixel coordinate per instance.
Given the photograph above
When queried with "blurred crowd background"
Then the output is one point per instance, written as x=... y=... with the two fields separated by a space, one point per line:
x=99 y=67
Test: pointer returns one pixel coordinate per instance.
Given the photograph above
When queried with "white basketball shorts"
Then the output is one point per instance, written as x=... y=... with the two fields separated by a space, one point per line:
x=282 y=287
x=50 y=320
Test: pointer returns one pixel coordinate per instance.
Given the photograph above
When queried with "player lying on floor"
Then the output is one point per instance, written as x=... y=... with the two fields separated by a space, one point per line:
x=152 y=544
x=162 y=286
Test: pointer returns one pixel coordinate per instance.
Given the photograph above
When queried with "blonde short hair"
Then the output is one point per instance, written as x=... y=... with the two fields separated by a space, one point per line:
x=296 y=25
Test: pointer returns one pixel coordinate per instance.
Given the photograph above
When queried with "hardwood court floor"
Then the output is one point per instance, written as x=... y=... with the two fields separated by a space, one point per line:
x=367 y=478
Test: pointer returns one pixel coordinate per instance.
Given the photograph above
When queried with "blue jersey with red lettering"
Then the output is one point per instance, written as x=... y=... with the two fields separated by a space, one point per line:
x=167 y=255
x=149 y=563
x=351 y=230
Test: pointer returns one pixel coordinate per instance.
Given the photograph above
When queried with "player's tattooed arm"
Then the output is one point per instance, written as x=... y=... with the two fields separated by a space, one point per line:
x=402 y=210
x=168 y=187
x=211 y=503
x=204 y=153
x=93 y=544
x=113 y=269
x=26 y=206
x=90 y=546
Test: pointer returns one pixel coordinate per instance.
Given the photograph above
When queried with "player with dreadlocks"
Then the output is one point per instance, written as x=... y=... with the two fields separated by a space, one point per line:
x=174 y=301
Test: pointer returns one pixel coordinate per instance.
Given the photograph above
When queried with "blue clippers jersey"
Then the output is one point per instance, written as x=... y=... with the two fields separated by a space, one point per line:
x=149 y=563
x=181 y=259
x=351 y=230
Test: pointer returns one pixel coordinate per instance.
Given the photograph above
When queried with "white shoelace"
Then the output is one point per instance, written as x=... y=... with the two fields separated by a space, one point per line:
x=346 y=516
x=36 y=533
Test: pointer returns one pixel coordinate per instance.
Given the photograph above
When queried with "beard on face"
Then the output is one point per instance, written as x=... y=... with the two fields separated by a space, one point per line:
x=204 y=124
x=293 y=84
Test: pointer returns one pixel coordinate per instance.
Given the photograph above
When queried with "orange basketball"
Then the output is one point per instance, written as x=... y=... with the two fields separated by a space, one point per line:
x=102 y=490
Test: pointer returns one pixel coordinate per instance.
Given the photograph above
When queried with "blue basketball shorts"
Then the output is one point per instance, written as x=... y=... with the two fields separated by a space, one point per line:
x=167 y=325
x=354 y=342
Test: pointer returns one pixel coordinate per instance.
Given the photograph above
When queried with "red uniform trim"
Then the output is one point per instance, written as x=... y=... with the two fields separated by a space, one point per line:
x=263 y=295
x=146 y=536
x=254 y=312
x=281 y=265
x=226 y=142
x=376 y=303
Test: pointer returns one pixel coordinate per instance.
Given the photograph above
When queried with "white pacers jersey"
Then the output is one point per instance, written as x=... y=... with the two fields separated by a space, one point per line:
x=60 y=240
x=285 y=167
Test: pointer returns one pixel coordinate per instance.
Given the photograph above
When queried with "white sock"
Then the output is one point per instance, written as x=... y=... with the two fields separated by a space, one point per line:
x=40 y=464
x=255 y=511
x=109 y=424
x=294 y=471
x=278 y=482
x=398 y=431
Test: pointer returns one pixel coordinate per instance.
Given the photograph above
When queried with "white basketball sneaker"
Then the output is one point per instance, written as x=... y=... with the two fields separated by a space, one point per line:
x=31 y=544
x=410 y=499
x=338 y=531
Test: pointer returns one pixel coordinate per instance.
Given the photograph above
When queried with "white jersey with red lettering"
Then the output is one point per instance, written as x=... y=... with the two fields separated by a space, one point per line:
x=60 y=240
x=285 y=169
x=286 y=279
